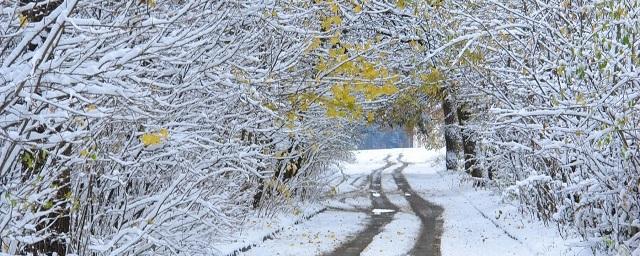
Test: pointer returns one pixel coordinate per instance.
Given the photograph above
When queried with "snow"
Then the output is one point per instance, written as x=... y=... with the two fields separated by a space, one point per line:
x=399 y=201
x=257 y=228
x=397 y=238
x=380 y=211
x=476 y=221
x=319 y=235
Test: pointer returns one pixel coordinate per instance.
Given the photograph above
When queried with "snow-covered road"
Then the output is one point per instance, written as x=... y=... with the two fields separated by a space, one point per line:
x=402 y=202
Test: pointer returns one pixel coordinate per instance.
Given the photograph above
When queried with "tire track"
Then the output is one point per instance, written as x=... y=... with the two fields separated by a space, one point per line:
x=428 y=242
x=377 y=221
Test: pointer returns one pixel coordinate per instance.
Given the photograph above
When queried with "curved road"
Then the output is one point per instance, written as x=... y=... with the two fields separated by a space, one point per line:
x=427 y=243
x=377 y=221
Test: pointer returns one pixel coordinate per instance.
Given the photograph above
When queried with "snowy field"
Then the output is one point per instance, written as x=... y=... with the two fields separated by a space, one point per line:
x=476 y=221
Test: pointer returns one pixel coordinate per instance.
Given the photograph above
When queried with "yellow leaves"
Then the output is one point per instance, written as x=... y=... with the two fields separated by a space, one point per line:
x=321 y=66
x=270 y=14
x=89 y=153
x=279 y=186
x=370 y=117
x=369 y=71
x=330 y=21
x=154 y=138
x=619 y=13
x=332 y=111
x=389 y=89
x=23 y=20
x=343 y=97
x=337 y=53
x=149 y=139
x=433 y=77
x=436 y=3
x=150 y=3
x=91 y=107
x=473 y=57
x=372 y=91
x=432 y=83
x=343 y=103
x=271 y=106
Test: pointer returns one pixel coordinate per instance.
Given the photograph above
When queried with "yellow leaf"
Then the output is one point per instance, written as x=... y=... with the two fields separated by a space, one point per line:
x=580 y=99
x=357 y=8
x=401 y=4
x=315 y=43
x=151 y=3
x=560 y=70
x=23 y=20
x=149 y=139
x=335 y=39
x=84 y=153
x=164 y=133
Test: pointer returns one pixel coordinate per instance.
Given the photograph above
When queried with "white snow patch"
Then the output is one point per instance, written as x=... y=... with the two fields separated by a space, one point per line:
x=380 y=211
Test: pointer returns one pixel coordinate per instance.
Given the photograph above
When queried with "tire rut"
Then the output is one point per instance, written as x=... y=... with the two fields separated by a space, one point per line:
x=376 y=221
x=428 y=242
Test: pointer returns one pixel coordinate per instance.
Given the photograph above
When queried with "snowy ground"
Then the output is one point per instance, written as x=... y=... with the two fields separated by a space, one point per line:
x=314 y=237
x=476 y=222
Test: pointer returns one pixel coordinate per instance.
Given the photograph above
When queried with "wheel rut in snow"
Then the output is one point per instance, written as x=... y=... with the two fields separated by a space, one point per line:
x=376 y=220
x=428 y=242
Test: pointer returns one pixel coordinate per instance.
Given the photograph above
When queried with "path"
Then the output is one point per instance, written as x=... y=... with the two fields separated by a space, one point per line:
x=377 y=220
x=475 y=222
x=430 y=215
x=427 y=244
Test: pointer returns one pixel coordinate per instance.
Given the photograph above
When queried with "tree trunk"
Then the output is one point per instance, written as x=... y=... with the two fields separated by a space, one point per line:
x=468 y=143
x=451 y=137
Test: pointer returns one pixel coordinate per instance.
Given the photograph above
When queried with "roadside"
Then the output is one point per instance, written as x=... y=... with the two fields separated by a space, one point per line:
x=475 y=222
